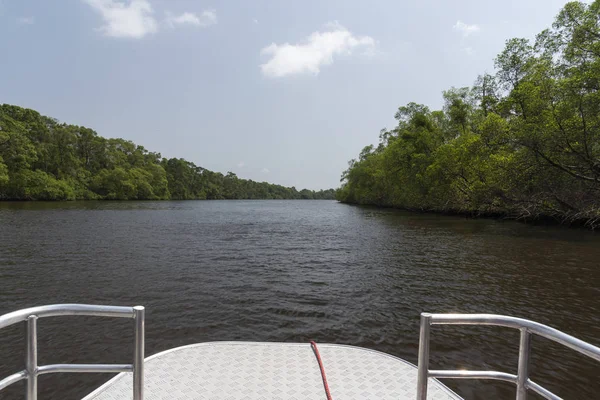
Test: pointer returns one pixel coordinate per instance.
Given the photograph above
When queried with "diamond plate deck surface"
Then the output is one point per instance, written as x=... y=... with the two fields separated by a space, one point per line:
x=286 y=371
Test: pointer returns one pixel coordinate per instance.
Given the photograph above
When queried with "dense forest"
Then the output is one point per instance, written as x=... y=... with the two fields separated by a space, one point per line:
x=523 y=142
x=43 y=159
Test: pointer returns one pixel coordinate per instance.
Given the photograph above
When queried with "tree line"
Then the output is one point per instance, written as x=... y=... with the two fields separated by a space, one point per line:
x=523 y=142
x=43 y=159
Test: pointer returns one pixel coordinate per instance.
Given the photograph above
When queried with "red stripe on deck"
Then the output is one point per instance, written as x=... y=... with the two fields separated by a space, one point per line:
x=322 y=368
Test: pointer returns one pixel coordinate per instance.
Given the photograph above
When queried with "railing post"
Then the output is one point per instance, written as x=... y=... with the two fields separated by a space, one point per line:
x=138 y=354
x=523 y=370
x=423 y=363
x=31 y=361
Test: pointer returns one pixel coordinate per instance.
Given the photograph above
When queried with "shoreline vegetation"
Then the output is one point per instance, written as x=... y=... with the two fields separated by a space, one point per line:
x=43 y=159
x=522 y=143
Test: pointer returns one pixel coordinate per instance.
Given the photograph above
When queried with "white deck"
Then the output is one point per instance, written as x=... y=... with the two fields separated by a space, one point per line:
x=286 y=371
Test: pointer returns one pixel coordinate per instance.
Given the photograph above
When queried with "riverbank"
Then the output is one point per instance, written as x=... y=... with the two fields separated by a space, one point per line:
x=540 y=219
x=43 y=159
x=522 y=143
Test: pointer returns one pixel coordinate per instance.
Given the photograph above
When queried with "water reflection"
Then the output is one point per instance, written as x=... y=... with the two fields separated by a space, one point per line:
x=295 y=271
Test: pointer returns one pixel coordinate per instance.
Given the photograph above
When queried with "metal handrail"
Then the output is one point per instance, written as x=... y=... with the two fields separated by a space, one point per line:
x=32 y=369
x=526 y=327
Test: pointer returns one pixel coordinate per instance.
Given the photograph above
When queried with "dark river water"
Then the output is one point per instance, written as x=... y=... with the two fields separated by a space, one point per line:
x=293 y=271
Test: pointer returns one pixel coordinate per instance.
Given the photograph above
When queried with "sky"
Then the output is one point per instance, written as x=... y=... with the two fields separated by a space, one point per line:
x=278 y=91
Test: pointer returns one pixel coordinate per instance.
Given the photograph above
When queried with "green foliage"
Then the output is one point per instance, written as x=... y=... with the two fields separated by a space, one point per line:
x=42 y=159
x=523 y=143
x=3 y=174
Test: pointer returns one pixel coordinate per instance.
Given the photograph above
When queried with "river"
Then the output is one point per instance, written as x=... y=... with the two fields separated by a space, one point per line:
x=294 y=271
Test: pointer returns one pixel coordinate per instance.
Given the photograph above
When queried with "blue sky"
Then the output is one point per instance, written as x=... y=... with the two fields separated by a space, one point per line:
x=279 y=91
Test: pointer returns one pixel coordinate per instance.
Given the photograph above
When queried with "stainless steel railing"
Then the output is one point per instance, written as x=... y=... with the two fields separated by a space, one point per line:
x=526 y=328
x=32 y=369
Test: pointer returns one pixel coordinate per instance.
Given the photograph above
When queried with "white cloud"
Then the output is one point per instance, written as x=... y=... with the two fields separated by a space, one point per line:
x=206 y=18
x=265 y=170
x=465 y=29
x=26 y=20
x=469 y=50
x=255 y=21
x=316 y=51
x=131 y=19
x=241 y=164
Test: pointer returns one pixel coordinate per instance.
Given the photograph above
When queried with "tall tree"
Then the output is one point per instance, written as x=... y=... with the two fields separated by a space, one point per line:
x=524 y=142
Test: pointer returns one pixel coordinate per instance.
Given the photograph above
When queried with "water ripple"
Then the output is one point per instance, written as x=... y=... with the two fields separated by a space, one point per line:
x=295 y=271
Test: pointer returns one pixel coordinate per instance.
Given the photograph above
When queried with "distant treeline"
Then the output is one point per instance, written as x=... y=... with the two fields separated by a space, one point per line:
x=43 y=159
x=523 y=142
